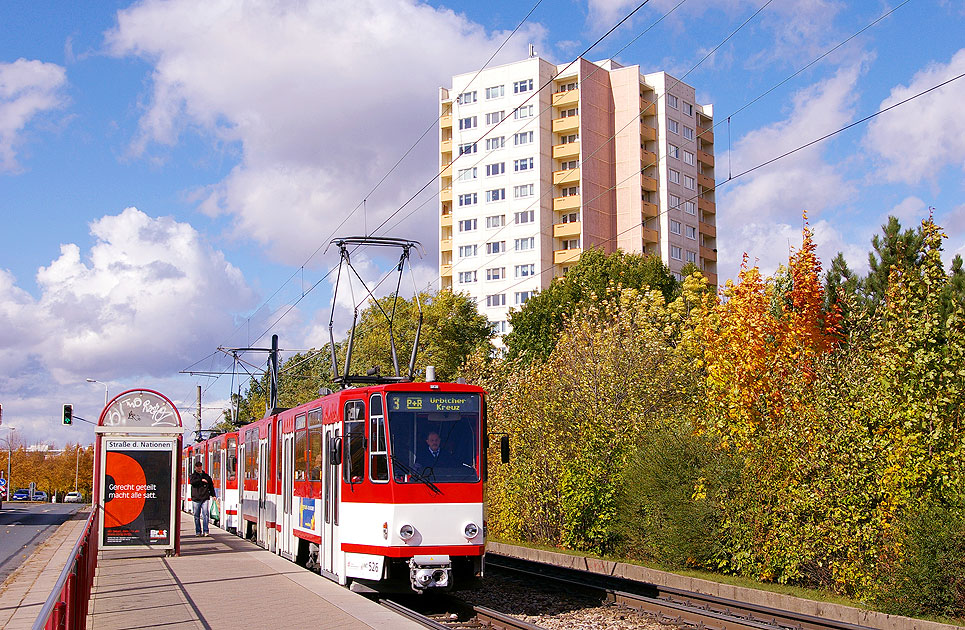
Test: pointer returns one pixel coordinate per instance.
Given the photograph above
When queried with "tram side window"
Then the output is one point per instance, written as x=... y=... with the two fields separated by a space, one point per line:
x=315 y=445
x=216 y=472
x=232 y=459
x=251 y=454
x=354 y=460
x=378 y=454
x=301 y=448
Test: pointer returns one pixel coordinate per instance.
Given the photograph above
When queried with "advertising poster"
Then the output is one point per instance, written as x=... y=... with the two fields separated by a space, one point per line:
x=138 y=509
x=307 y=513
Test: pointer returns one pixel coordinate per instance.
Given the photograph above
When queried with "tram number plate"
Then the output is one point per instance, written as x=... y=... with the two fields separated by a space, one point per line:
x=363 y=565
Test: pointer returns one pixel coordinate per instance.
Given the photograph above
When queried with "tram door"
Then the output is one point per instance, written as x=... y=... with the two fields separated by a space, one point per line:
x=286 y=518
x=331 y=484
x=264 y=474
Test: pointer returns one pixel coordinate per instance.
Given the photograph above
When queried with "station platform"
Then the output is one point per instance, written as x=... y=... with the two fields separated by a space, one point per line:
x=222 y=581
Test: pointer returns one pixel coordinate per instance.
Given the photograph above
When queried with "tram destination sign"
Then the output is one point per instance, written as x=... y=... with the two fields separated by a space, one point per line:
x=435 y=402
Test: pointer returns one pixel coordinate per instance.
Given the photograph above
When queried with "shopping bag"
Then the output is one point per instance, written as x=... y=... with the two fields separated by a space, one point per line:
x=215 y=510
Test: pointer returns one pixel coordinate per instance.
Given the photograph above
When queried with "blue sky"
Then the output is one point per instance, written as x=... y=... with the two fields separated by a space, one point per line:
x=167 y=169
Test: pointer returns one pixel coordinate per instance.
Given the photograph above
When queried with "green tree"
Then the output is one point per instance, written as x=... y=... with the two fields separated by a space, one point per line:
x=594 y=280
x=892 y=248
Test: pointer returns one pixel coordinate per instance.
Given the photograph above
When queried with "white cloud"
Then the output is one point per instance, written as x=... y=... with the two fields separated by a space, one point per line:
x=323 y=98
x=919 y=139
x=771 y=199
x=27 y=89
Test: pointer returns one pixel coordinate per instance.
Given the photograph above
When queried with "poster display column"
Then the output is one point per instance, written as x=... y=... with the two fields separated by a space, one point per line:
x=138 y=466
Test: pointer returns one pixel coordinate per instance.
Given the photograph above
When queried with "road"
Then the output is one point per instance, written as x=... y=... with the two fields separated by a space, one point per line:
x=24 y=526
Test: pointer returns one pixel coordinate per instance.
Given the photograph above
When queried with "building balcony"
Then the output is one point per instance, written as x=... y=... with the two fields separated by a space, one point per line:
x=711 y=277
x=705 y=206
x=705 y=134
x=445 y=146
x=445 y=270
x=566 y=99
x=647 y=159
x=445 y=121
x=568 y=150
x=707 y=229
x=708 y=254
x=565 y=125
x=651 y=236
x=649 y=210
x=445 y=194
x=647 y=107
x=648 y=134
x=570 y=176
x=564 y=256
x=445 y=244
x=564 y=230
x=565 y=204
x=447 y=171
x=705 y=158
x=445 y=220
x=649 y=184
x=705 y=181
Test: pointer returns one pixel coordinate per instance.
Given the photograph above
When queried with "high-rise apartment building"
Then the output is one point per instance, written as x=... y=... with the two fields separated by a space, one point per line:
x=602 y=157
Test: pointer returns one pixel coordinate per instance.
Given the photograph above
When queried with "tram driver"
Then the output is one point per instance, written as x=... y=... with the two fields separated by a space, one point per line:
x=433 y=455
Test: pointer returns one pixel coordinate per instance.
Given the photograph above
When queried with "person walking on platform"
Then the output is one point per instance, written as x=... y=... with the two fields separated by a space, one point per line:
x=202 y=489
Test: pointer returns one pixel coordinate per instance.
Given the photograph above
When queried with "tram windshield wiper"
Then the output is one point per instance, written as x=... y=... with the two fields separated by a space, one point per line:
x=415 y=475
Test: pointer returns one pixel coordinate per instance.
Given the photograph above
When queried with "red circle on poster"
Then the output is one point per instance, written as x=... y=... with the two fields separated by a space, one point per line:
x=127 y=501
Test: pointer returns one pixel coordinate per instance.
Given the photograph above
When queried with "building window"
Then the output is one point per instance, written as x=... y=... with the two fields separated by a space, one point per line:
x=467 y=251
x=525 y=271
x=691 y=232
x=495 y=247
x=672 y=101
x=689 y=183
x=523 y=111
x=690 y=208
x=673 y=126
x=493 y=117
x=569 y=165
x=525 y=137
x=526 y=190
x=522 y=86
x=689 y=158
x=523 y=165
x=466 y=174
x=495 y=92
x=674 y=227
x=495 y=221
x=497 y=168
x=467 y=123
x=573 y=137
x=566 y=87
x=467 y=277
x=467 y=225
x=572 y=243
x=675 y=252
x=499 y=328
x=469 y=147
x=674 y=176
x=525 y=244
x=673 y=151
x=573 y=111
x=467 y=97
x=570 y=191
x=526 y=216
x=523 y=296
x=688 y=109
x=496 y=195
x=496 y=273
x=496 y=300
x=495 y=143
x=688 y=132
x=469 y=199
x=570 y=217
x=674 y=201
x=691 y=256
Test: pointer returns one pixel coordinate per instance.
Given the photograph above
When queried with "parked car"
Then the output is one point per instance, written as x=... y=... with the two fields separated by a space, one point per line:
x=21 y=495
x=73 y=497
x=39 y=495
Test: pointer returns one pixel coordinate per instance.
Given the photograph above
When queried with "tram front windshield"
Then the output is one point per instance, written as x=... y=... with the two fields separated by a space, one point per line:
x=434 y=437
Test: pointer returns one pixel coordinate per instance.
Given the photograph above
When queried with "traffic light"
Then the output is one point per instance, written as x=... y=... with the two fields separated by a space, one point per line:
x=68 y=414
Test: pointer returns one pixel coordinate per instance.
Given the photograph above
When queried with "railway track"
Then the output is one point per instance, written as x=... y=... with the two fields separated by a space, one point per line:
x=670 y=606
x=467 y=618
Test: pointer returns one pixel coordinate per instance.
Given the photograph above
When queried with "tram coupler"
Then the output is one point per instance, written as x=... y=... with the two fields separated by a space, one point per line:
x=433 y=572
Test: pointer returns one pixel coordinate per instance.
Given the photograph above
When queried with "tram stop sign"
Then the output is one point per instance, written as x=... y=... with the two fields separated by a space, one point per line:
x=139 y=438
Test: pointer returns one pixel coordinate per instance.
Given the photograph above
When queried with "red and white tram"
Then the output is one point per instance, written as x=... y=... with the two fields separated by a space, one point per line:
x=377 y=487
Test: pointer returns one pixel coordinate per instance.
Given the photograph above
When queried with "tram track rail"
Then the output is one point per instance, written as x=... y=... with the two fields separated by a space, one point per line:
x=472 y=617
x=668 y=605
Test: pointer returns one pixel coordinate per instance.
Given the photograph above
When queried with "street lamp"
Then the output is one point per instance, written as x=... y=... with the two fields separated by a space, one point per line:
x=94 y=380
x=9 y=458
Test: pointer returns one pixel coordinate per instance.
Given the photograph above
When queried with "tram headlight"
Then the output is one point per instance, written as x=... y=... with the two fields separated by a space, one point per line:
x=406 y=532
x=471 y=530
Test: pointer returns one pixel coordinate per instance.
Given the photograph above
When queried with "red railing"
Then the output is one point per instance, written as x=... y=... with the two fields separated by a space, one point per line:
x=66 y=607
